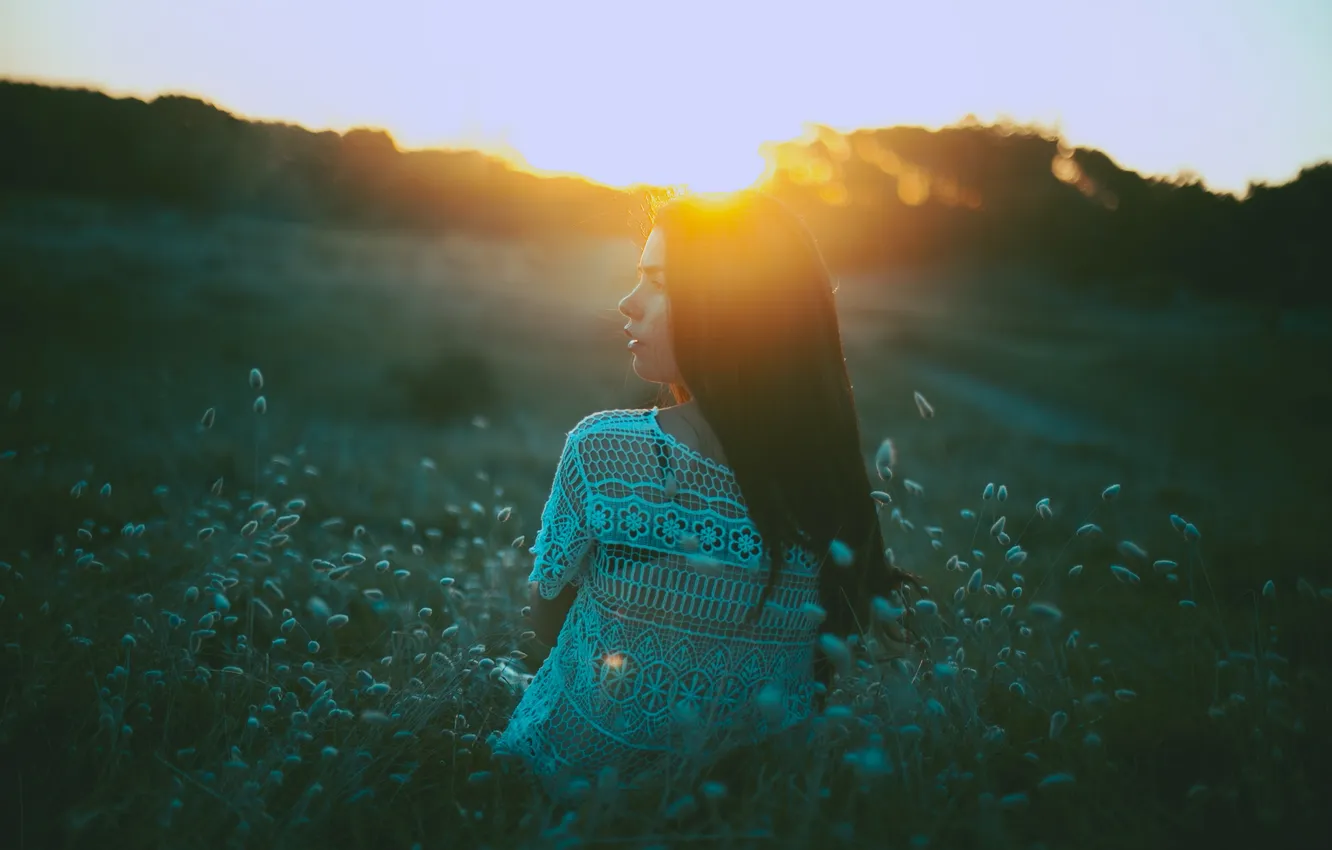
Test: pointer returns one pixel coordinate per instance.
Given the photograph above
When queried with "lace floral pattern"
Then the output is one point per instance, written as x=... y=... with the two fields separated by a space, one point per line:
x=655 y=663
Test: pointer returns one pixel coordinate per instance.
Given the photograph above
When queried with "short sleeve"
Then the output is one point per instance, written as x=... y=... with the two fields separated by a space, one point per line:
x=564 y=537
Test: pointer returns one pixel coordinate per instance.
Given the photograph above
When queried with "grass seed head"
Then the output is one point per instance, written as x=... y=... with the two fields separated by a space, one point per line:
x=925 y=408
x=1124 y=574
x=841 y=553
x=885 y=459
x=1045 y=614
x=973 y=584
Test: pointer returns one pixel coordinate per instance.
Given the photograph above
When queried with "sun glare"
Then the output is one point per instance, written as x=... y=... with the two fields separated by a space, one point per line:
x=632 y=95
x=719 y=167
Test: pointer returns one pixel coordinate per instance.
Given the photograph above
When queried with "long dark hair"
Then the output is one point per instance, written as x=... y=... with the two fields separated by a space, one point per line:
x=757 y=343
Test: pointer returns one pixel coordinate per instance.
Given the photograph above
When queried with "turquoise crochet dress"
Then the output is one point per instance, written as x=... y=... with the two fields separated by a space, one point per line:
x=655 y=669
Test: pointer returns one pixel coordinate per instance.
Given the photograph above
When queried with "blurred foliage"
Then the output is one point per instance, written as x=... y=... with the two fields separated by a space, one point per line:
x=450 y=386
x=967 y=194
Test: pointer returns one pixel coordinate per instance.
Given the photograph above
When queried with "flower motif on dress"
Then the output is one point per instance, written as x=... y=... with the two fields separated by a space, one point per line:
x=634 y=521
x=692 y=687
x=598 y=517
x=798 y=557
x=746 y=543
x=618 y=674
x=669 y=526
x=710 y=534
x=655 y=687
x=733 y=688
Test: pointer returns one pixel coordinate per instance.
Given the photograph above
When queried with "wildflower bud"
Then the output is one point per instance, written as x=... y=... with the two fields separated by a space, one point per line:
x=1124 y=574
x=837 y=651
x=973 y=585
x=841 y=553
x=1043 y=613
x=885 y=459
x=814 y=611
x=1129 y=549
x=885 y=610
x=926 y=410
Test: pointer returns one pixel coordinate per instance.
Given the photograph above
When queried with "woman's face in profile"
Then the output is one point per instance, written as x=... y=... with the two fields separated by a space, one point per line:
x=648 y=312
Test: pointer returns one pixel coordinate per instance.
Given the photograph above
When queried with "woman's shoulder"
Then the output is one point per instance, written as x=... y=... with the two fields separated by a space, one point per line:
x=608 y=439
x=618 y=420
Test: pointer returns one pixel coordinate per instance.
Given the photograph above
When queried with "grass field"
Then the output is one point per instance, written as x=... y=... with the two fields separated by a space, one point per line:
x=175 y=669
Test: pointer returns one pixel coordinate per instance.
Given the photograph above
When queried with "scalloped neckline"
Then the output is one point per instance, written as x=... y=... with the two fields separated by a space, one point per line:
x=687 y=449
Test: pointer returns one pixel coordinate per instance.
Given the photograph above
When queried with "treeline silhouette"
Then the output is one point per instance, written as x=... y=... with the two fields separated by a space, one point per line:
x=967 y=194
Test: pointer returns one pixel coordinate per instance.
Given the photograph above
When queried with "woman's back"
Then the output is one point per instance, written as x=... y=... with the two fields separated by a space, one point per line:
x=656 y=663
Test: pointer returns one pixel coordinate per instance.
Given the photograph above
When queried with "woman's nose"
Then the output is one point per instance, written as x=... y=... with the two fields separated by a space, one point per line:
x=628 y=308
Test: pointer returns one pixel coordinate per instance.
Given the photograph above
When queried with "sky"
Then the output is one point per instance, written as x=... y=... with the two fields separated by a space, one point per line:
x=1232 y=90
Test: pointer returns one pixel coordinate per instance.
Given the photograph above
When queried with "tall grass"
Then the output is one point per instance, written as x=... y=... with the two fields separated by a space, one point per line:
x=241 y=663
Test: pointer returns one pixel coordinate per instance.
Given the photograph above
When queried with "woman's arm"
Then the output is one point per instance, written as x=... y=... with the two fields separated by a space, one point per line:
x=548 y=614
x=563 y=543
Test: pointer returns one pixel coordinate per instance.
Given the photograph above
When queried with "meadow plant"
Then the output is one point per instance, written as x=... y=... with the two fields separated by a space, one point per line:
x=246 y=665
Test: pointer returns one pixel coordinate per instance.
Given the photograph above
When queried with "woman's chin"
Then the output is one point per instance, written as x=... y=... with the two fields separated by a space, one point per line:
x=644 y=370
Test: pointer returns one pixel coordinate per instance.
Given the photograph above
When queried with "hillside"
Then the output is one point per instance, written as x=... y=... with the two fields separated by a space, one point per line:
x=967 y=194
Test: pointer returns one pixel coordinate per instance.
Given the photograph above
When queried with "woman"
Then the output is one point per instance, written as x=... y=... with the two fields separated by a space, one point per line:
x=689 y=557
